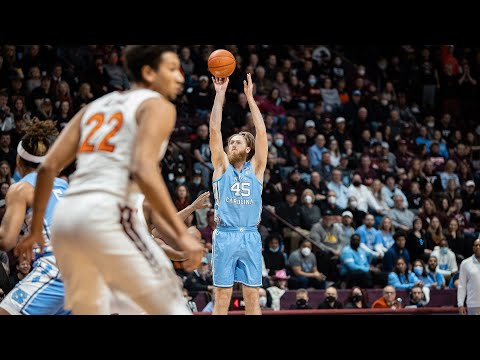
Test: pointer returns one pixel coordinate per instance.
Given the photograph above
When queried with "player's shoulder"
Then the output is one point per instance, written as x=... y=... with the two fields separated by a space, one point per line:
x=20 y=189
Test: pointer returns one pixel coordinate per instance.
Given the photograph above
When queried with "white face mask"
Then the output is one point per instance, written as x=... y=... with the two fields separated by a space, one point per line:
x=308 y=199
x=306 y=251
x=384 y=102
x=332 y=200
x=262 y=301
x=361 y=72
x=354 y=204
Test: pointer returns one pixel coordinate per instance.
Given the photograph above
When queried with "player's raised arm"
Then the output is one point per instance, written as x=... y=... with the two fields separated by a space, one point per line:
x=219 y=157
x=259 y=160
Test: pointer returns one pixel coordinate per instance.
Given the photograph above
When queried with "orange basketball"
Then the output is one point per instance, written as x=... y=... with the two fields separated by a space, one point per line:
x=221 y=63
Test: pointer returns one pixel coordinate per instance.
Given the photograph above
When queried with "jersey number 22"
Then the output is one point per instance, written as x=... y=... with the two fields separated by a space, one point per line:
x=103 y=145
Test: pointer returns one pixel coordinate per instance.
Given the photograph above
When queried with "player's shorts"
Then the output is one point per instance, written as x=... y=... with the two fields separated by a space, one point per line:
x=237 y=257
x=41 y=292
x=101 y=247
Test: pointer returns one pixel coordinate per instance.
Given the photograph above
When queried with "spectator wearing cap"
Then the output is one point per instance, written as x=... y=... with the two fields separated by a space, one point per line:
x=294 y=181
x=290 y=212
x=275 y=292
x=201 y=98
x=43 y=91
x=341 y=133
x=345 y=228
x=195 y=185
x=207 y=231
x=366 y=170
x=384 y=170
x=471 y=201
x=341 y=191
x=327 y=127
x=310 y=132
x=350 y=109
x=199 y=279
x=392 y=159
x=45 y=112
x=316 y=151
x=319 y=188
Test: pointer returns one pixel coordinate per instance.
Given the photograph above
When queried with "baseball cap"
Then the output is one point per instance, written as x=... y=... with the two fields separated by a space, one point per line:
x=309 y=123
x=385 y=145
x=470 y=183
x=357 y=93
x=291 y=191
x=197 y=172
x=203 y=77
x=340 y=119
x=347 y=213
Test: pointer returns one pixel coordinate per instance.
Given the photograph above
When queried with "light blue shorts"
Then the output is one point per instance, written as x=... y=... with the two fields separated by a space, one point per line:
x=237 y=257
x=40 y=293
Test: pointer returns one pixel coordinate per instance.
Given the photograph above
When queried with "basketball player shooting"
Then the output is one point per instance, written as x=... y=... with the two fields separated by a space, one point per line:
x=237 y=188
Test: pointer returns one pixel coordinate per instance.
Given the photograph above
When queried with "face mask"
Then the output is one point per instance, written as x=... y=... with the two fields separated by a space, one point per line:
x=301 y=303
x=357 y=298
x=180 y=181
x=330 y=299
x=418 y=270
x=355 y=245
x=356 y=183
x=306 y=251
x=274 y=250
x=197 y=181
x=384 y=102
x=308 y=199
x=279 y=142
x=361 y=72
x=444 y=251
x=431 y=124
x=332 y=200
x=338 y=62
x=262 y=301
x=354 y=204
x=312 y=82
x=415 y=110
x=269 y=143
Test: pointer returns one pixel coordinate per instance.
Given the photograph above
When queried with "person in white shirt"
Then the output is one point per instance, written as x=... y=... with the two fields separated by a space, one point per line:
x=363 y=195
x=469 y=283
x=447 y=263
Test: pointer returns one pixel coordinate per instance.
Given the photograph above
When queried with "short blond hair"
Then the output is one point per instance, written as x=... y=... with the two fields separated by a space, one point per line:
x=249 y=139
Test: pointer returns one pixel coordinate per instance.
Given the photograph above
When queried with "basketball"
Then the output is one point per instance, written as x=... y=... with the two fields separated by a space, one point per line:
x=221 y=63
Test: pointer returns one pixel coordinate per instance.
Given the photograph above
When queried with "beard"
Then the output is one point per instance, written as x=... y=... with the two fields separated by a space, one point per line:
x=237 y=157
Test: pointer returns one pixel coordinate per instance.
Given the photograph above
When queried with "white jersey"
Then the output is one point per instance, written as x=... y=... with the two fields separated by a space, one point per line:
x=108 y=131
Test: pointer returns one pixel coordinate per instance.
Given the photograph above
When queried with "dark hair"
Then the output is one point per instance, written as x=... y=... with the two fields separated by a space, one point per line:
x=250 y=140
x=39 y=137
x=137 y=56
x=398 y=235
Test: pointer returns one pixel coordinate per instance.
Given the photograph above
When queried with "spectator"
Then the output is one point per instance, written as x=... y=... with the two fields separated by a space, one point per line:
x=447 y=264
x=355 y=266
x=396 y=251
x=331 y=300
x=416 y=242
x=275 y=258
x=430 y=277
x=388 y=300
x=275 y=292
x=402 y=218
x=199 y=279
x=304 y=267
x=416 y=298
x=341 y=191
x=401 y=277
x=301 y=301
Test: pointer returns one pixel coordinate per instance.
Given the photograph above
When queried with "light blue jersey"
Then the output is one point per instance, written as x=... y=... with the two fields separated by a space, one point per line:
x=41 y=292
x=237 y=246
x=238 y=198
x=59 y=188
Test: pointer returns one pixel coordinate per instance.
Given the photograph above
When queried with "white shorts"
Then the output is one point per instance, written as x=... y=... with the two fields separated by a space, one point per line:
x=102 y=249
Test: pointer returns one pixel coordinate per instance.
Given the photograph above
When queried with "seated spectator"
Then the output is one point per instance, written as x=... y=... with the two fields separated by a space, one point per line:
x=363 y=195
x=339 y=188
x=401 y=277
x=301 y=301
x=275 y=292
x=384 y=237
x=290 y=212
x=368 y=233
x=262 y=298
x=23 y=269
x=390 y=190
x=357 y=299
x=402 y=218
x=447 y=264
x=416 y=242
x=358 y=215
x=355 y=266
x=304 y=267
x=344 y=229
x=429 y=276
x=199 y=279
x=309 y=212
x=388 y=300
x=331 y=300
x=416 y=298
x=397 y=250
x=275 y=258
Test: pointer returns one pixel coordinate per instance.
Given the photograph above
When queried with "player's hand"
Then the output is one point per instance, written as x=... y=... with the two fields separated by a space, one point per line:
x=248 y=86
x=201 y=201
x=194 y=253
x=462 y=310
x=24 y=249
x=221 y=84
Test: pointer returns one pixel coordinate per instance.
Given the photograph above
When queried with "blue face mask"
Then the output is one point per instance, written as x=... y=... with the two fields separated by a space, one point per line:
x=274 y=250
x=279 y=142
x=444 y=251
x=418 y=270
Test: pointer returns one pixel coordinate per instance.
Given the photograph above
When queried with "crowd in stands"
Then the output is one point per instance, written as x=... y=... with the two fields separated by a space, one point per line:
x=374 y=153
